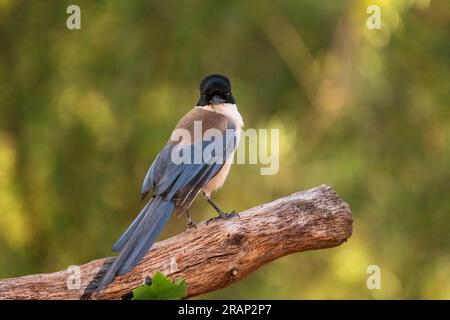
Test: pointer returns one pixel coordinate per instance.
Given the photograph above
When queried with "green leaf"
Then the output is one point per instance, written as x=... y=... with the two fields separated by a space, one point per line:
x=161 y=288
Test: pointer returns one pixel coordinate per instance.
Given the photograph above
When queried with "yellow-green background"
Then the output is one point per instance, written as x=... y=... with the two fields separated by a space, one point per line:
x=83 y=113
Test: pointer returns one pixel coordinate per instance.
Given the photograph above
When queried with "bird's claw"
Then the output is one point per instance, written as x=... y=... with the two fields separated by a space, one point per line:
x=224 y=215
x=191 y=225
x=229 y=215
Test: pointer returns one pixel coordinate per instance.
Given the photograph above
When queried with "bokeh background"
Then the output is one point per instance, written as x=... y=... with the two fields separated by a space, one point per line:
x=84 y=112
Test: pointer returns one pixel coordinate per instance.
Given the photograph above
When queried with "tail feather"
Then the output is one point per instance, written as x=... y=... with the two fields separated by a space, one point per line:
x=150 y=231
x=129 y=231
x=138 y=239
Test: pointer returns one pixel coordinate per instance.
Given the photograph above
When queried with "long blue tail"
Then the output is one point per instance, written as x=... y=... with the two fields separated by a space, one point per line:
x=138 y=238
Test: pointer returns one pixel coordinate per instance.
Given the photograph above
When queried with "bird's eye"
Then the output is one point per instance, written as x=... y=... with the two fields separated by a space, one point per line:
x=204 y=96
x=227 y=94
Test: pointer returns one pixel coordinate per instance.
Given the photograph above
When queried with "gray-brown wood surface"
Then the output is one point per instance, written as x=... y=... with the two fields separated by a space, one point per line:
x=214 y=255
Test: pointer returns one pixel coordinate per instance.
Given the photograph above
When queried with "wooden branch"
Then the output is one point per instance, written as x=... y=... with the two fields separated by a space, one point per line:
x=214 y=255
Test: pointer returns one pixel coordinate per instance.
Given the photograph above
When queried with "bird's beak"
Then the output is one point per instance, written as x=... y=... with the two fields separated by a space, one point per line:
x=216 y=100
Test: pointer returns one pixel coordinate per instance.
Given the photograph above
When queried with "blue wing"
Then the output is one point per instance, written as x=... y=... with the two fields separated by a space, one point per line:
x=166 y=176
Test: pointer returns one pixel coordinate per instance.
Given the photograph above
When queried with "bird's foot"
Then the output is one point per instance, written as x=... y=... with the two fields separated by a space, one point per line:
x=229 y=215
x=191 y=225
x=224 y=215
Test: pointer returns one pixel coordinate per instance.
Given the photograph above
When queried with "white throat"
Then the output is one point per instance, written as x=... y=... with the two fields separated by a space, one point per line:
x=230 y=111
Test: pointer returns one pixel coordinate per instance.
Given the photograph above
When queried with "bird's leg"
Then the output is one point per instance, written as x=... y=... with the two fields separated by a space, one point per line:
x=143 y=195
x=222 y=214
x=189 y=224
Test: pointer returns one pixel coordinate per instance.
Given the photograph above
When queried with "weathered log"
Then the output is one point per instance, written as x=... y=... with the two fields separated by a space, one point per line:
x=214 y=255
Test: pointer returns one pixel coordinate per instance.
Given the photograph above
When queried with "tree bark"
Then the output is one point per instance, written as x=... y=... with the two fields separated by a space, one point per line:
x=214 y=255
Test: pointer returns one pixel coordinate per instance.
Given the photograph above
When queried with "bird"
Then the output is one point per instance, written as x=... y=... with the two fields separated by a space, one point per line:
x=175 y=185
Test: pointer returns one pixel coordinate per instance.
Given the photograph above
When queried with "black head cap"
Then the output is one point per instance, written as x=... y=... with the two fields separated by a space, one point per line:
x=215 y=89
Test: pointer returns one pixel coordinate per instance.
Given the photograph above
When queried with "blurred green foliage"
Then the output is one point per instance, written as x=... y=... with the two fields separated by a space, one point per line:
x=84 y=112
